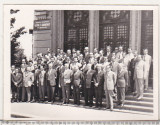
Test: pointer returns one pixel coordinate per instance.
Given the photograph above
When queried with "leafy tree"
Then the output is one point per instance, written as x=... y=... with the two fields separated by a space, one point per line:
x=17 y=53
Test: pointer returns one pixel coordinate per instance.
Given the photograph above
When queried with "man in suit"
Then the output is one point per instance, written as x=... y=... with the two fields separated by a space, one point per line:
x=52 y=75
x=109 y=54
x=35 y=87
x=98 y=82
x=42 y=79
x=131 y=72
x=101 y=57
x=67 y=75
x=114 y=66
x=147 y=59
x=139 y=76
x=89 y=86
x=109 y=83
x=122 y=82
x=77 y=79
x=119 y=55
x=13 y=87
x=17 y=80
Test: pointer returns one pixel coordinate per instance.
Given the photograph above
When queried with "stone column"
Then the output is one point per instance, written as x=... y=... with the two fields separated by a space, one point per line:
x=60 y=29
x=93 y=30
x=54 y=31
x=135 y=30
x=57 y=29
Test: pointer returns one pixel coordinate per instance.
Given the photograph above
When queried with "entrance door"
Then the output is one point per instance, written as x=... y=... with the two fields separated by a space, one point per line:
x=114 y=28
x=75 y=29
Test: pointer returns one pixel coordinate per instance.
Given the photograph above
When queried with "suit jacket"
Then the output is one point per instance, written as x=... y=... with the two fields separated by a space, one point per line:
x=119 y=55
x=109 y=80
x=36 y=76
x=99 y=78
x=17 y=78
x=42 y=78
x=109 y=56
x=114 y=67
x=132 y=66
x=122 y=79
x=52 y=74
x=101 y=59
x=77 y=77
x=147 y=59
x=139 y=71
x=28 y=79
x=89 y=78
x=61 y=77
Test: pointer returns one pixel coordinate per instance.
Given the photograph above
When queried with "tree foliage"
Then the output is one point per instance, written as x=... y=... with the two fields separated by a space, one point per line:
x=17 y=53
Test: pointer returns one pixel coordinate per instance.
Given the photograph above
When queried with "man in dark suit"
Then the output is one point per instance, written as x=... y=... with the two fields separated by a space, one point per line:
x=17 y=80
x=101 y=57
x=122 y=82
x=98 y=82
x=131 y=71
x=109 y=54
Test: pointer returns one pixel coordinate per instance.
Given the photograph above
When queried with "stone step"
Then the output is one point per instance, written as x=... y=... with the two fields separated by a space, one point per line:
x=136 y=108
x=148 y=95
x=146 y=99
x=148 y=91
x=139 y=103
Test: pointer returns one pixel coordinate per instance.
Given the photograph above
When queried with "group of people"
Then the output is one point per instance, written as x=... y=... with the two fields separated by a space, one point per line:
x=62 y=76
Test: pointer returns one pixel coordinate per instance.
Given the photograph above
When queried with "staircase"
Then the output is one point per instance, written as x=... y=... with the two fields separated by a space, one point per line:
x=145 y=105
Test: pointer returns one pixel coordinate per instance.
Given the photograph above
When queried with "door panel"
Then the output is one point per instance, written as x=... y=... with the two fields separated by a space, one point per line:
x=114 y=29
x=76 y=29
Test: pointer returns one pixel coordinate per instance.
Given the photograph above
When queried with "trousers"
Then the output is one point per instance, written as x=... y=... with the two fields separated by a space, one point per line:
x=109 y=98
x=120 y=95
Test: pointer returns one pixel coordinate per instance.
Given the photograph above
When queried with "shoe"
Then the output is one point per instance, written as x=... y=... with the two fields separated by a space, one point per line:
x=122 y=105
x=139 y=98
x=111 y=109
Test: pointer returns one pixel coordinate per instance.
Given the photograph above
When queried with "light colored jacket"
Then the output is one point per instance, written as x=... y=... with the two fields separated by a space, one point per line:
x=147 y=59
x=109 y=80
x=52 y=75
x=28 y=79
x=139 y=71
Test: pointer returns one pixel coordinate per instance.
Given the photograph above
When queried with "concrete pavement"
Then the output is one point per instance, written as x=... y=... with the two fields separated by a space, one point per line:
x=41 y=111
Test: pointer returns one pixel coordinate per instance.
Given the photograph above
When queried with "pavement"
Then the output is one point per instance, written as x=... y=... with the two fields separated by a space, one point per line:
x=57 y=111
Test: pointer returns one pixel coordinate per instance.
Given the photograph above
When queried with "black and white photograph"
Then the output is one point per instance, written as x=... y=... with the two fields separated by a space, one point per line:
x=80 y=62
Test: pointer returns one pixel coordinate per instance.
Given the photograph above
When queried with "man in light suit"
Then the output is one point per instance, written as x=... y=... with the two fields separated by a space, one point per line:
x=147 y=59
x=114 y=66
x=139 y=76
x=52 y=75
x=122 y=82
x=17 y=80
x=109 y=83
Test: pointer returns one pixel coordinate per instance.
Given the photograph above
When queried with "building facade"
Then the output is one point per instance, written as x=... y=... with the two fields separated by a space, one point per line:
x=67 y=29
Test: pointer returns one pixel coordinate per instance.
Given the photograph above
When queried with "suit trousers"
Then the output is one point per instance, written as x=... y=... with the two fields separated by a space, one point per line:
x=139 y=87
x=76 y=92
x=34 y=92
x=132 y=83
x=63 y=94
x=98 y=95
x=53 y=93
x=48 y=90
x=18 y=93
x=109 y=98
x=23 y=93
x=67 y=89
x=41 y=92
x=120 y=95
x=28 y=89
x=146 y=81
x=89 y=96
